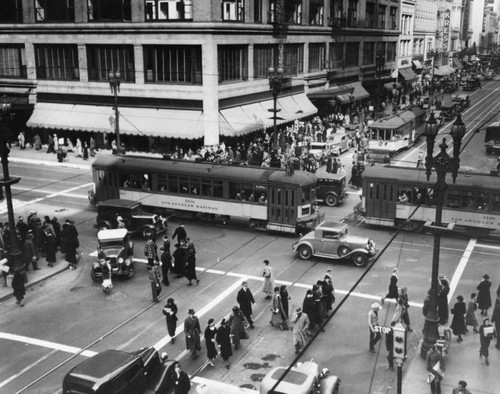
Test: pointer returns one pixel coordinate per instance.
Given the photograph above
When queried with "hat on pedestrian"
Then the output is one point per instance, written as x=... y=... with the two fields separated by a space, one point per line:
x=298 y=310
x=244 y=283
x=486 y=276
x=462 y=383
x=460 y=298
x=376 y=305
x=191 y=311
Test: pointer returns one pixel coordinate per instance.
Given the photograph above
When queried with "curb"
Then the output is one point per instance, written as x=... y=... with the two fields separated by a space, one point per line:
x=31 y=284
x=49 y=163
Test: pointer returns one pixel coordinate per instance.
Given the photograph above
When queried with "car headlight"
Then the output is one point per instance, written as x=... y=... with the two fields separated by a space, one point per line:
x=120 y=260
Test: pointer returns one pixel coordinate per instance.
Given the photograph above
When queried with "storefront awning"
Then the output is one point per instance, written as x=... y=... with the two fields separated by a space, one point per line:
x=417 y=64
x=359 y=93
x=244 y=119
x=330 y=92
x=443 y=70
x=134 y=121
x=408 y=74
x=457 y=64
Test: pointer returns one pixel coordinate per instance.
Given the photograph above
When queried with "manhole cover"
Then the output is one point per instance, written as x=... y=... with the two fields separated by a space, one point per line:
x=76 y=288
x=270 y=357
x=255 y=365
x=257 y=377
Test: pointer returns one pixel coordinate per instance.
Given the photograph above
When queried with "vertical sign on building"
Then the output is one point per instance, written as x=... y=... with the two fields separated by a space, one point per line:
x=465 y=22
x=446 y=30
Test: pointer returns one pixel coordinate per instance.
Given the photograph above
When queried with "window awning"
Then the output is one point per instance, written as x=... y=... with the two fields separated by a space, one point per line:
x=359 y=93
x=168 y=123
x=244 y=119
x=408 y=74
x=444 y=70
x=330 y=92
x=417 y=64
x=457 y=63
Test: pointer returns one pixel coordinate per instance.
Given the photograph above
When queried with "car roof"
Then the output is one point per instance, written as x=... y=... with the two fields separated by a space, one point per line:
x=294 y=382
x=119 y=203
x=329 y=176
x=331 y=225
x=108 y=235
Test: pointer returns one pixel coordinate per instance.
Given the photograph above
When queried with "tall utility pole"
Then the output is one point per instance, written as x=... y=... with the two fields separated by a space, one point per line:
x=114 y=84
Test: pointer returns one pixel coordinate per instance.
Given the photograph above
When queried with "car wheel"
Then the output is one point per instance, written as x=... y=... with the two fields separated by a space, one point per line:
x=253 y=224
x=331 y=200
x=94 y=277
x=343 y=250
x=305 y=252
x=359 y=259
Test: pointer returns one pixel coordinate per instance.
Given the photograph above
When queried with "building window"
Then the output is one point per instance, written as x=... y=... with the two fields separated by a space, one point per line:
x=316 y=12
x=233 y=10
x=232 y=63
x=12 y=61
x=293 y=59
x=257 y=11
x=337 y=55
x=391 y=51
x=316 y=56
x=102 y=59
x=109 y=10
x=380 y=48
x=263 y=58
x=57 y=62
x=352 y=13
x=169 y=10
x=293 y=11
x=394 y=24
x=382 y=10
x=11 y=11
x=370 y=15
x=368 y=53
x=54 y=10
x=173 y=64
x=352 y=54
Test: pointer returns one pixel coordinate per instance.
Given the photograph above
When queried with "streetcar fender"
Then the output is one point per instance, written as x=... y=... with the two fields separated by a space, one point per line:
x=329 y=385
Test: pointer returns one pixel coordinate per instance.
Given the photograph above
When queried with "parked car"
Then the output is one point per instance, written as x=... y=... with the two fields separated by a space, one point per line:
x=132 y=215
x=331 y=189
x=338 y=143
x=462 y=100
x=119 y=372
x=113 y=248
x=319 y=150
x=331 y=240
x=448 y=110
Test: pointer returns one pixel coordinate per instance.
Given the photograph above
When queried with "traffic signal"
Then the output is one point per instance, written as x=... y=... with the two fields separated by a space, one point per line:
x=399 y=341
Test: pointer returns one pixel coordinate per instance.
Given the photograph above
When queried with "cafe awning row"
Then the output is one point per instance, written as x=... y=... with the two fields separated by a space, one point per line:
x=331 y=92
x=244 y=119
x=443 y=70
x=408 y=74
x=417 y=64
x=359 y=93
x=133 y=121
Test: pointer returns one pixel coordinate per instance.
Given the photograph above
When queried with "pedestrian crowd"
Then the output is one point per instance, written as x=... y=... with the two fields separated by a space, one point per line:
x=32 y=240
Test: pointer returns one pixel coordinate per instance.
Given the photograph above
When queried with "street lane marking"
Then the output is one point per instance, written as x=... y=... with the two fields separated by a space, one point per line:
x=30 y=189
x=47 y=344
x=460 y=268
x=26 y=369
x=37 y=200
x=488 y=246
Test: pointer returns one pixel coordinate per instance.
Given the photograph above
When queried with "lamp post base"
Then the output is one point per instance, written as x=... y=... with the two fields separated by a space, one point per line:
x=430 y=333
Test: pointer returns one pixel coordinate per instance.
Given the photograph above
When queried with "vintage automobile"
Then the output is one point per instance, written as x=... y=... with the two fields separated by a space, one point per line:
x=331 y=240
x=319 y=150
x=462 y=101
x=438 y=116
x=450 y=87
x=132 y=215
x=119 y=372
x=338 y=143
x=331 y=189
x=115 y=248
x=448 y=110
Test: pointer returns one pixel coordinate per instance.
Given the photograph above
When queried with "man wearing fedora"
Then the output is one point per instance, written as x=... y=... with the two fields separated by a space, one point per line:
x=462 y=388
x=300 y=323
x=483 y=295
x=372 y=323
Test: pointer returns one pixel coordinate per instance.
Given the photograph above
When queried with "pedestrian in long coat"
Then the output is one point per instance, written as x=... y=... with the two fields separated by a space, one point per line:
x=393 y=286
x=180 y=255
x=495 y=319
x=319 y=299
x=50 y=249
x=166 y=264
x=484 y=340
x=458 y=322
x=309 y=309
x=69 y=243
x=191 y=263
x=30 y=252
x=18 y=286
x=300 y=323
x=223 y=338
x=182 y=385
x=237 y=322
x=284 y=301
x=328 y=292
x=170 y=312
x=442 y=300
x=193 y=331
x=277 y=313
x=483 y=295
x=210 y=333
x=268 y=285
x=245 y=300
x=180 y=233
x=470 y=317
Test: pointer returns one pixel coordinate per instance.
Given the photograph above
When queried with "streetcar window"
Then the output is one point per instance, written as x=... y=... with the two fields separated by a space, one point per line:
x=453 y=199
x=235 y=190
x=136 y=180
x=162 y=183
x=218 y=189
x=495 y=202
x=377 y=192
x=370 y=191
x=206 y=188
x=292 y=198
x=146 y=182
x=173 y=186
x=263 y=198
x=247 y=193
x=183 y=185
x=124 y=180
x=194 y=184
x=404 y=196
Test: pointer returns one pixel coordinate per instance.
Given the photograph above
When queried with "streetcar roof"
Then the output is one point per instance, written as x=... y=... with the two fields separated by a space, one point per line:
x=212 y=170
x=399 y=119
x=494 y=124
x=405 y=175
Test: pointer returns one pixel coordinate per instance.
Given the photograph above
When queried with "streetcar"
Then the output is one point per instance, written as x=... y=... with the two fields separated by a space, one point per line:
x=492 y=138
x=266 y=198
x=391 y=194
x=394 y=133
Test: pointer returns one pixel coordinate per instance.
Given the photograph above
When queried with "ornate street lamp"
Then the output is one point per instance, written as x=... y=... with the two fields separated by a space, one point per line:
x=16 y=255
x=442 y=163
x=379 y=67
x=114 y=84
x=275 y=83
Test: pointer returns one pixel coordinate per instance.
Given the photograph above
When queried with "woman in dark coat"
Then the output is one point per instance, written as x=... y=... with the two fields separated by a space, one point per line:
x=180 y=255
x=193 y=331
x=223 y=338
x=210 y=333
x=50 y=249
x=237 y=322
x=483 y=295
x=458 y=322
x=328 y=290
x=442 y=300
x=284 y=300
x=393 y=287
x=18 y=286
x=170 y=312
